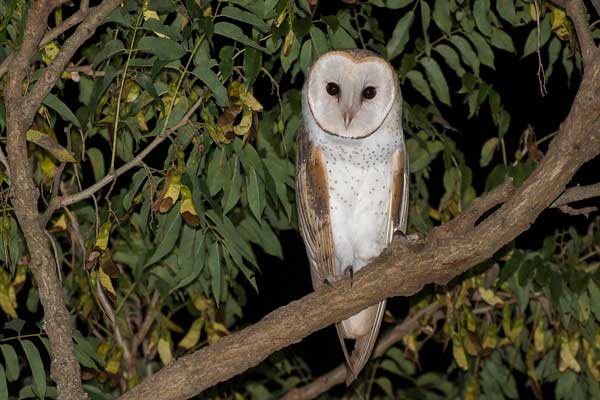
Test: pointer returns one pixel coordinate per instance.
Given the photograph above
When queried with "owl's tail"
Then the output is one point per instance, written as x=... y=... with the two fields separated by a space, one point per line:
x=363 y=345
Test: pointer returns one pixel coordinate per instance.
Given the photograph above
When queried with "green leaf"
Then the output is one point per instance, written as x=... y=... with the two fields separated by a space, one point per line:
x=319 y=40
x=235 y=32
x=506 y=9
x=3 y=384
x=11 y=361
x=469 y=57
x=531 y=44
x=451 y=58
x=252 y=64
x=481 y=11
x=396 y=4
x=245 y=16
x=167 y=236
x=232 y=191
x=306 y=55
x=441 y=16
x=96 y=158
x=256 y=194
x=216 y=272
x=53 y=102
x=485 y=52
x=418 y=82
x=400 y=35
x=165 y=49
x=37 y=367
x=487 y=151
x=502 y=40
x=436 y=79
x=47 y=142
x=109 y=49
x=340 y=39
x=136 y=181
x=209 y=78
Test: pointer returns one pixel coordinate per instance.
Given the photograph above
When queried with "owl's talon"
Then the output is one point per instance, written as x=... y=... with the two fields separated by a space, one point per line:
x=350 y=271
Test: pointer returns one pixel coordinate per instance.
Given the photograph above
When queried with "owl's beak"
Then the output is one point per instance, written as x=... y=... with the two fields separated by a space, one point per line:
x=348 y=116
x=349 y=109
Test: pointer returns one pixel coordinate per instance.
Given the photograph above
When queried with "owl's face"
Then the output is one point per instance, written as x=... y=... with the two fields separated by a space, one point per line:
x=351 y=92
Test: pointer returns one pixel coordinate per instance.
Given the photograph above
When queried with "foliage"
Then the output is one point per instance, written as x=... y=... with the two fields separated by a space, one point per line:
x=174 y=240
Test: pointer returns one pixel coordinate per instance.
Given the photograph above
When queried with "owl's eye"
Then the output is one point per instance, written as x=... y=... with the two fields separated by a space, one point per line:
x=369 y=92
x=333 y=89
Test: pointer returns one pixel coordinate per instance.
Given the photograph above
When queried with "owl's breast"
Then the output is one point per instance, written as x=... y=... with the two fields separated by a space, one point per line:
x=360 y=181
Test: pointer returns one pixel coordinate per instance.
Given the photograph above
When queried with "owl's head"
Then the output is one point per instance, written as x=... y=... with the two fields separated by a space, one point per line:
x=350 y=92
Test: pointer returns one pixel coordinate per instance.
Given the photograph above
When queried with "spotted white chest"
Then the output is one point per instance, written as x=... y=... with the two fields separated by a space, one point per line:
x=359 y=174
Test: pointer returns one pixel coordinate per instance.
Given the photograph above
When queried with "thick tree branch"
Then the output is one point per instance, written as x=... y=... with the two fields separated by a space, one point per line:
x=20 y=111
x=54 y=33
x=401 y=270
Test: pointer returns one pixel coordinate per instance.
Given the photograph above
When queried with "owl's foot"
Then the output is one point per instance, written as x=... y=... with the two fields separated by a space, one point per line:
x=407 y=239
x=350 y=271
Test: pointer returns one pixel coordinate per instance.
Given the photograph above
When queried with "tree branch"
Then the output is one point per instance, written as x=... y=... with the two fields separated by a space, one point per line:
x=577 y=193
x=400 y=270
x=576 y=11
x=54 y=33
x=20 y=111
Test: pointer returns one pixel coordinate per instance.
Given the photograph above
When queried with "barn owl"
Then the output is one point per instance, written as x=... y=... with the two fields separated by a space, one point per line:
x=351 y=177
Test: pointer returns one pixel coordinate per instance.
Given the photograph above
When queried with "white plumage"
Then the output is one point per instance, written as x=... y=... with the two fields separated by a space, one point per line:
x=351 y=147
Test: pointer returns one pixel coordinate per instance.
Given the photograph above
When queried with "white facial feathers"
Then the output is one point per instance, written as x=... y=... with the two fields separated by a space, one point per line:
x=351 y=96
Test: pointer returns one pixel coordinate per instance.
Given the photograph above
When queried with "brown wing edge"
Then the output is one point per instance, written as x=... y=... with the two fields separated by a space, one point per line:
x=312 y=197
x=398 y=214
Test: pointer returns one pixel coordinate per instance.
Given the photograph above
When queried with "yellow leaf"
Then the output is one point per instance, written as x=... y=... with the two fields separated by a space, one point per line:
x=114 y=364
x=538 y=338
x=201 y=303
x=287 y=43
x=133 y=93
x=49 y=52
x=568 y=352
x=172 y=326
x=61 y=223
x=250 y=101
x=192 y=337
x=150 y=14
x=164 y=350
x=459 y=354
x=141 y=121
x=559 y=18
x=20 y=277
x=188 y=210
x=472 y=389
x=48 y=167
x=245 y=123
x=8 y=298
x=491 y=337
x=170 y=195
x=48 y=143
x=490 y=297
x=103 y=236
x=106 y=283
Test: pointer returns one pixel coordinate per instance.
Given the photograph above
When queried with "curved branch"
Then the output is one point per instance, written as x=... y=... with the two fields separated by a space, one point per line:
x=401 y=270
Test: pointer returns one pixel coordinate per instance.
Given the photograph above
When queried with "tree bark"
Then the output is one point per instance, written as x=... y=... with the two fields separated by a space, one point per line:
x=20 y=111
